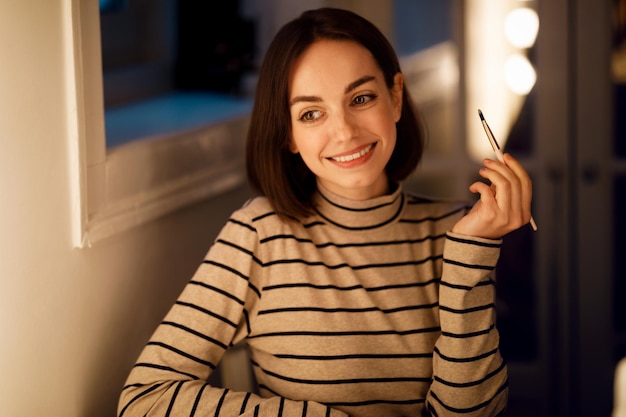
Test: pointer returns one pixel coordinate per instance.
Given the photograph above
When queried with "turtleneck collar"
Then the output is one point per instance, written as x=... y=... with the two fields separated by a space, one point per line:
x=358 y=214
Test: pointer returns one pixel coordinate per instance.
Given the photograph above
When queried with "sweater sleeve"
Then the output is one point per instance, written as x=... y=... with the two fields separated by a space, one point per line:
x=170 y=375
x=469 y=375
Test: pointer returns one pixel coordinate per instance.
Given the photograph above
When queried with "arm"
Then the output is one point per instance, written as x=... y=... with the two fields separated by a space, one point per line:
x=469 y=375
x=211 y=314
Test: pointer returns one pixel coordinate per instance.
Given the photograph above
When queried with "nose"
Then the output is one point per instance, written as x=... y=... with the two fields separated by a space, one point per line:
x=344 y=126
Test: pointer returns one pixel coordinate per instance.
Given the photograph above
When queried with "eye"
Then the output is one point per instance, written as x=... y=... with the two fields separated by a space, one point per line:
x=310 y=116
x=363 y=99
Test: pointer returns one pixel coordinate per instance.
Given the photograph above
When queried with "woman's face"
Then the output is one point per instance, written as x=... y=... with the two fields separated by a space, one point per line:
x=343 y=117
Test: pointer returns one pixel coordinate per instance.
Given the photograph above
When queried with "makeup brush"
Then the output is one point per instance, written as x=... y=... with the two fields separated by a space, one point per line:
x=499 y=154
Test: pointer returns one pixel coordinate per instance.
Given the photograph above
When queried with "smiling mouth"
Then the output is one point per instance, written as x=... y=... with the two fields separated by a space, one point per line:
x=352 y=157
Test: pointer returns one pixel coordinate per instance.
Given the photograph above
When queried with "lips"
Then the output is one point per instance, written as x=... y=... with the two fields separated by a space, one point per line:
x=353 y=156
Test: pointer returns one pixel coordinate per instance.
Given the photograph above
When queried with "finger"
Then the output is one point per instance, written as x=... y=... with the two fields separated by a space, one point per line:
x=503 y=169
x=525 y=184
x=491 y=201
x=496 y=173
x=486 y=192
x=487 y=210
x=518 y=197
x=519 y=171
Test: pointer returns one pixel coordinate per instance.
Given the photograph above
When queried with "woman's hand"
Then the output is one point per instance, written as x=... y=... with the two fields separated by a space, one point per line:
x=504 y=206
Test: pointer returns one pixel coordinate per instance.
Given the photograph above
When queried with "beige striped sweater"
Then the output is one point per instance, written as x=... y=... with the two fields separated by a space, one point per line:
x=364 y=309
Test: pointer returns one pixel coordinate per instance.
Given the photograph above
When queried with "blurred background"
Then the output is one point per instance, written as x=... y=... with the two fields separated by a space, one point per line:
x=123 y=124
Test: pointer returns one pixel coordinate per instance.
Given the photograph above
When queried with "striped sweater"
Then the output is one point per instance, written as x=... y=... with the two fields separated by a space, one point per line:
x=364 y=309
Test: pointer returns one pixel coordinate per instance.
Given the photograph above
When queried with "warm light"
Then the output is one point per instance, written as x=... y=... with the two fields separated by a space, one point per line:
x=519 y=74
x=521 y=26
x=499 y=95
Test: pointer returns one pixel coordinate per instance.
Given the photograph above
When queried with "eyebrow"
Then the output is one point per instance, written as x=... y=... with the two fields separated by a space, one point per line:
x=349 y=87
x=359 y=82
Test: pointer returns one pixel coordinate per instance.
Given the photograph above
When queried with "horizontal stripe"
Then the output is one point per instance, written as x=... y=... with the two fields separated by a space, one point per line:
x=205 y=311
x=471 y=383
x=355 y=356
x=217 y=290
x=362 y=228
x=263 y=216
x=468 y=266
x=348 y=381
x=467 y=310
x=164 y=368
x=462 y=360
x=138 y=396
x=353 y=267
x=351 y=287
x=238 y=223
x=474 y=408
x=135 y=385
x=470 y=334
x=195 y=333
x=234 y=271
x=467 y=287
x=362 y=209
x=347 y=310
x=181 y=353
x=349 y=333
x=236 y=246
x=473 y=242
x=313 y=224
x=352 y=245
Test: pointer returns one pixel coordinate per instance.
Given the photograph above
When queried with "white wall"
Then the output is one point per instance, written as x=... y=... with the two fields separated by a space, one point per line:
x=71 y=321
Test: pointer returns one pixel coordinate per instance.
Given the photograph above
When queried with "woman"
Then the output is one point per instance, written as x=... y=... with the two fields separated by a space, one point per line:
x=354 y=297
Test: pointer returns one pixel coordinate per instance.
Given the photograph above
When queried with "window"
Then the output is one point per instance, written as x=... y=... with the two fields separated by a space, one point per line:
x=119 y=188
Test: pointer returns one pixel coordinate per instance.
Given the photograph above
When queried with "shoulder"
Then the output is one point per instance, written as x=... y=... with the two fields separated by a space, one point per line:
x=258 y=214
x=254 y=209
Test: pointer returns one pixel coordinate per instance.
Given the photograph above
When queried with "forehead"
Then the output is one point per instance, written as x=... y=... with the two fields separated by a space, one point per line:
x=331 y=63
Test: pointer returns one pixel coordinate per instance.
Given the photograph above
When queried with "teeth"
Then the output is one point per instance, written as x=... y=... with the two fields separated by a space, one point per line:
x=347 y=158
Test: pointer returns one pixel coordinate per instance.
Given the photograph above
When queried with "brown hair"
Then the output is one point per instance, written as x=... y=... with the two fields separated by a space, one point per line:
x=273 y=170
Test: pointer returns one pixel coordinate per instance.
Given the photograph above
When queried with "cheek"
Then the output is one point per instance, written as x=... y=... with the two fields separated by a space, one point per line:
x=299 y=139
x=304 y=144
x=384 y=123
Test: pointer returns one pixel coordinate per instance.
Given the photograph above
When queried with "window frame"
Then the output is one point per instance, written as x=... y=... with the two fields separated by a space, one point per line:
x=114 y=190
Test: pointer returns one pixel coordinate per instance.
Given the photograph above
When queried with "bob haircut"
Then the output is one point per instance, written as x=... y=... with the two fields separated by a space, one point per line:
x=273 y=170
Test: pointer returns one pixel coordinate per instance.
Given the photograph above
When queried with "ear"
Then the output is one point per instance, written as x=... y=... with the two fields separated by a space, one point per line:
x=396 y=95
